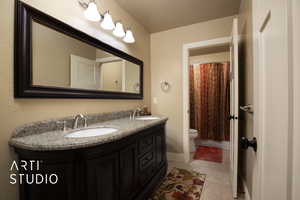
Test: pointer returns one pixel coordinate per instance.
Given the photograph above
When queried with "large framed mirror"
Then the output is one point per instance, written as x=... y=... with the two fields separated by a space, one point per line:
x=54 y=60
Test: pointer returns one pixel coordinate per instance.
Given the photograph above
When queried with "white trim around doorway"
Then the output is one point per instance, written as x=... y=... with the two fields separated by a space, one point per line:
x=185 y=77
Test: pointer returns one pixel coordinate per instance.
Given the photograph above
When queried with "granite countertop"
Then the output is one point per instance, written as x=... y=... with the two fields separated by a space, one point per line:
x=56 y=140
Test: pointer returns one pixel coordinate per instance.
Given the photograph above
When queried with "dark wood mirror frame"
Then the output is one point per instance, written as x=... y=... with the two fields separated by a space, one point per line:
x=23 y=87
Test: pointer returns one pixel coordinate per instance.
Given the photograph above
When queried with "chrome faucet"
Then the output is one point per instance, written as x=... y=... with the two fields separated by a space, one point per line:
x=76 y=118
x=136 y=112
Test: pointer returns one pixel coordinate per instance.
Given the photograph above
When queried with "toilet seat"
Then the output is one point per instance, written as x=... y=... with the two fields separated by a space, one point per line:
x=193 y=133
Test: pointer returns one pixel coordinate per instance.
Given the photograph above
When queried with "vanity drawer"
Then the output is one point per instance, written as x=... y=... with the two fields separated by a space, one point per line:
x=146 y=160
x=146 y=144
x=146 y=167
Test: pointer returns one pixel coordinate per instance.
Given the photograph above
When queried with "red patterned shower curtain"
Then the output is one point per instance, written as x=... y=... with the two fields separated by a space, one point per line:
x=210 y=100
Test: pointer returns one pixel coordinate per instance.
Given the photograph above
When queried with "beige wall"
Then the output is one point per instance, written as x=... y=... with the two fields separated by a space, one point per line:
x=111 y=76
x=296 y=105
x=14 y=112
x=166 y=65
x=212 y=57
x=247 y=157
x=51 y=56
x=132 y=77
x=102 y=54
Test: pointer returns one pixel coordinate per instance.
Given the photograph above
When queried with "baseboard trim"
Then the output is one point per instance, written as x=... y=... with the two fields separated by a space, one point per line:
x=245 y=188
x=223 y=145
x=175 y=156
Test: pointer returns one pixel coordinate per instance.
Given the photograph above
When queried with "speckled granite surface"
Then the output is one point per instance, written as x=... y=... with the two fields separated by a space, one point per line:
x=47 y=135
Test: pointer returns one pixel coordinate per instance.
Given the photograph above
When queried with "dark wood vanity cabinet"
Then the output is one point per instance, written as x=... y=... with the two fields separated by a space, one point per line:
x=128 y=172
x=102 y=177
x=64 y=187
x=126 y=169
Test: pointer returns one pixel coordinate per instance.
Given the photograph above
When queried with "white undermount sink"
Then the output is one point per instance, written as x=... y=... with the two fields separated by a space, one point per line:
x=91 y=132
x=147 y=118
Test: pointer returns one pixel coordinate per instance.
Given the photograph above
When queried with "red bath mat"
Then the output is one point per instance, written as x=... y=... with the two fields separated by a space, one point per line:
x=213 y=154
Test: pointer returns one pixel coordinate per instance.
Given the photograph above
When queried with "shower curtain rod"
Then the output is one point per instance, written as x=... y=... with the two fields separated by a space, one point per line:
x=210 y=63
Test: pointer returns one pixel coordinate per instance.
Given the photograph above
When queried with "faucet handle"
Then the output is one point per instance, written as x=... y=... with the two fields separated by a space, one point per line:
x=131 y=114
x=79 y=115
x=63 y=124
x=85 y=122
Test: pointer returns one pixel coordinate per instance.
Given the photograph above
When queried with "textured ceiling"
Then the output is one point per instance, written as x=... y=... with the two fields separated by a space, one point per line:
x=159 y=15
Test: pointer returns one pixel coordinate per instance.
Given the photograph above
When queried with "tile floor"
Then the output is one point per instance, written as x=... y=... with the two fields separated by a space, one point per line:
x=217 y=184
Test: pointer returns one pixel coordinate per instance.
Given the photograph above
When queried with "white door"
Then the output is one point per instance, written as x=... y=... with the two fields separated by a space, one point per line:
x=84 y=73
x=273 y=102
x=234 y=108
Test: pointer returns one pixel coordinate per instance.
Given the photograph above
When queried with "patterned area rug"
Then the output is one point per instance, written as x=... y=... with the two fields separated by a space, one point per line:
x=213 y=154
x=180 y=184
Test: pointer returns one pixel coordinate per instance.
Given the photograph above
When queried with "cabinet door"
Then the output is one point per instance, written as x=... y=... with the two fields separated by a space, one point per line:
x=160 y=147
x=128 y=172
x=51 y=187
x=146 y=167
x=102 y=178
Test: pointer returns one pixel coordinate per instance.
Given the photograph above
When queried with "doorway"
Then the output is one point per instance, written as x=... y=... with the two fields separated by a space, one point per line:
x=209 y=100
x=232 y=43
x=195 y=54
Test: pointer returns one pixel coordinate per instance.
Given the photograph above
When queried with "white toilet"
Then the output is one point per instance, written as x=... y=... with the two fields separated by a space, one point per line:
x=193 y=135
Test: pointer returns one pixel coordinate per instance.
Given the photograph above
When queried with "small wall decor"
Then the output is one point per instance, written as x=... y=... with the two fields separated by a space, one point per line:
x=165 y=86
x=136 y=86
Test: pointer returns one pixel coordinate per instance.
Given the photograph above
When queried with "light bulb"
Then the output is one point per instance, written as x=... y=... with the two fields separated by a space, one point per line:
x=91 y=13
x=129 y=37
x=119 y=30
x=107 y=22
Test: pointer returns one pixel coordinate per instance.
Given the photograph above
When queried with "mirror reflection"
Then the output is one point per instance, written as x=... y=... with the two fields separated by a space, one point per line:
x=62 y=61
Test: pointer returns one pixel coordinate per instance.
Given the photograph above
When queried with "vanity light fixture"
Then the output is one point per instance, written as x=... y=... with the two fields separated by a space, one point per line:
x=129 y=37
x=91 y=13
x=107 y=22
x=119 y=30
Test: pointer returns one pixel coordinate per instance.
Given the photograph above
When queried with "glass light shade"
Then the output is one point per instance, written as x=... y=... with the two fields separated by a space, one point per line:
x=107 y=22
x=119 y=30
x=91 y=13
x=129 y=37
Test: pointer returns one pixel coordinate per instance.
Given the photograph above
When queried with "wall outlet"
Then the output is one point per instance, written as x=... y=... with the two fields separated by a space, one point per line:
x=155 y=101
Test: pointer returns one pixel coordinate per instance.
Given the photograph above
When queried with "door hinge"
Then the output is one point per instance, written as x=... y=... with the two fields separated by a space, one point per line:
x=232 y=117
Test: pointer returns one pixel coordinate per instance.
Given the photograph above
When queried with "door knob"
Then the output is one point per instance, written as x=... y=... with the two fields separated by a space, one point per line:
x=245 y=143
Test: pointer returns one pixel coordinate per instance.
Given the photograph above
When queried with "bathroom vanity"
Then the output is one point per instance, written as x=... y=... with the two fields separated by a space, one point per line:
x=115 y=157
x=127 y=165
